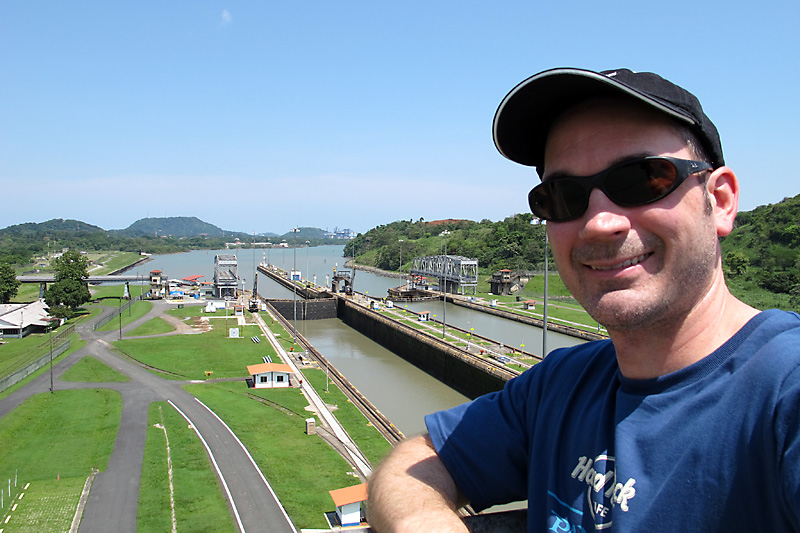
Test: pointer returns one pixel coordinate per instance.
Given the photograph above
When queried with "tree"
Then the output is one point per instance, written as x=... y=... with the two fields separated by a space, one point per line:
x=69 y=289
x=737 y=263
x=9 y=284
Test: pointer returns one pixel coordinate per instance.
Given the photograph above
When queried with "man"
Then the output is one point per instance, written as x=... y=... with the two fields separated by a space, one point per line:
x=688 y=419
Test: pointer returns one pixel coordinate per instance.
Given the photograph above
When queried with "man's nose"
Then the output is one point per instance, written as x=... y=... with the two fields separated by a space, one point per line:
x=603 y=218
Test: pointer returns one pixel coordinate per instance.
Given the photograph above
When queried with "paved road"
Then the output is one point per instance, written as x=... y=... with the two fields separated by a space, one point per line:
x=113 y=500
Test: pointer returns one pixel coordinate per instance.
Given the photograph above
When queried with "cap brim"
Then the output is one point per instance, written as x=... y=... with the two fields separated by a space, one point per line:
x=525 y=115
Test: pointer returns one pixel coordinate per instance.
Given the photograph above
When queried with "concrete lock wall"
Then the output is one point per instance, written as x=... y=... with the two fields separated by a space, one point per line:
x=440 y=360
x=306 y=309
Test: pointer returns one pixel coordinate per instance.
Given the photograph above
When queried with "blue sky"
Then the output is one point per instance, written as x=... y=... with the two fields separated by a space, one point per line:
x=259 y=116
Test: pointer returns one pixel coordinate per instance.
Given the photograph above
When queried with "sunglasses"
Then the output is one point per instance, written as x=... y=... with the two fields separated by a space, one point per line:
x=629 y=184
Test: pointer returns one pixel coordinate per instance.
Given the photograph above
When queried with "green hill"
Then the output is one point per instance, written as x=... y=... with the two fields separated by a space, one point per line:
x=178 y=227
x=761 y=257
x=763 y=252
x=55 y=228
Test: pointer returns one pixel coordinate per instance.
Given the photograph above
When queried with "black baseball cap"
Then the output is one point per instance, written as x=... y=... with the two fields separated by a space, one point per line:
x=525 y=115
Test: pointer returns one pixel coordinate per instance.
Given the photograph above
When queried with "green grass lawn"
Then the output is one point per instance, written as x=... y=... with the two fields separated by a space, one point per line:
x=284 y=337
x=301 y=468
x=154 y=326
x=46 y=505
x=368 y=439
x=563 y=308
x=750 y=293
x=189 y=356
x=27 y=292
x=53 y=441
x=92 y=370
x=115 y=260
x=116 y=291
x=135 y=312
x=199 y=501
x=16 y=354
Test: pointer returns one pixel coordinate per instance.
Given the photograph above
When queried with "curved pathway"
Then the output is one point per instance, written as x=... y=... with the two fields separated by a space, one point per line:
x=113 y=500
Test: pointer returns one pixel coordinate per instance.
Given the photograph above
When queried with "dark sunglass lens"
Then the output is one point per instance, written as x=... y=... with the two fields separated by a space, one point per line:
x=560 y=199
x=641 y=182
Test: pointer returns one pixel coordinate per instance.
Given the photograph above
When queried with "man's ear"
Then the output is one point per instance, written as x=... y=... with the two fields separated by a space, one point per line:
x=722 y=187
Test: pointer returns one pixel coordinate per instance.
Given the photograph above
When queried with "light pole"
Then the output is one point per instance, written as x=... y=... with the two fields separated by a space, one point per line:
x=401 y=256
x=50 y=335
x=444 y=283
x=544 y=316
x=308 y=245
x=294 y=285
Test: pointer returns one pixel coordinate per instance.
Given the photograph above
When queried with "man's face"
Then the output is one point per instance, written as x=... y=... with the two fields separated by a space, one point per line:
x=629 y=267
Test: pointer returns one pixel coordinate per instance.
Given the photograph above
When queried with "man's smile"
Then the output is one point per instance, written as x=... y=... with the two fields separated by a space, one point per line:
x=624 y=264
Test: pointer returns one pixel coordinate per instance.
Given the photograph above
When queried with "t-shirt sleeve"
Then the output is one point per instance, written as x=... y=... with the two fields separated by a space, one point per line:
x=484 y=444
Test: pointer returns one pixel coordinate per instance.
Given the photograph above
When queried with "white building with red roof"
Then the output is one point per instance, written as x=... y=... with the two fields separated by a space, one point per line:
x=349 y=503
x=270 y=375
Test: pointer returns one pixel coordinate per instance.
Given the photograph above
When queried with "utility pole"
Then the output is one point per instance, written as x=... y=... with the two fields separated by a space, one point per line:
x=401 y=256
x=444 y=284
x=544 y=316
x=308 y=245
x=294 y=285
x=50 y=334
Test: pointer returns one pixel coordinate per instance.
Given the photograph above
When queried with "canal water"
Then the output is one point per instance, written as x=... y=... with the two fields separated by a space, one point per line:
x=397 y=388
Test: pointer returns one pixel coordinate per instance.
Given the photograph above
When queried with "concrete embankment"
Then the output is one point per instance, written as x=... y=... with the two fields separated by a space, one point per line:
x=306 y=290
x=464 y=302
x=124 y=269
x=306 y=309
x=466 y=373
x=539 y=323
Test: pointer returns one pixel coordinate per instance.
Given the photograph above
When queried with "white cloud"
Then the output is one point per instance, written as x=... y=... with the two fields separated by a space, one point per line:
x=226 y=17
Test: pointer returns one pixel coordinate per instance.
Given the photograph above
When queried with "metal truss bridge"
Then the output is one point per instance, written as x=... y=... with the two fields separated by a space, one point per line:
x=454 y=272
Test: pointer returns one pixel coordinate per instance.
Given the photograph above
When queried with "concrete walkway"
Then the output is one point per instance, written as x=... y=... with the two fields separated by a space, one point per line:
x=356 y=458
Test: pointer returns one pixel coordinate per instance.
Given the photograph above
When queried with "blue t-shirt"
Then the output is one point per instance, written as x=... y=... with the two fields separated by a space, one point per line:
x=712 y=447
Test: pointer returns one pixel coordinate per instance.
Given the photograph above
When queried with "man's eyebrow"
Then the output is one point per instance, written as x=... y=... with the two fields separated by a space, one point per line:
x=557 y=174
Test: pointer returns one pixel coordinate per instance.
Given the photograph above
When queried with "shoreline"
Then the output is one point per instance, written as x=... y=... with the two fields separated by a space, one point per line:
x=375 y=270
x=132 y=265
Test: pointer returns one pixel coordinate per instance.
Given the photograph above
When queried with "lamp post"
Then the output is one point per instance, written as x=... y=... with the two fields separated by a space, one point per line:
x=401 y=256
x=50 y=335
x=544 y=316
x=308 y=245
x=294 y=285
x=444 y=283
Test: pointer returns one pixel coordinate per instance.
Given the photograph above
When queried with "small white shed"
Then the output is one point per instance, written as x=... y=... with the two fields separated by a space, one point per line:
x=349 y=504
x=270 y=375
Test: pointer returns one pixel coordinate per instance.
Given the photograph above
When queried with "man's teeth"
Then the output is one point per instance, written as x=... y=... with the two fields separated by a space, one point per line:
x=624 y=264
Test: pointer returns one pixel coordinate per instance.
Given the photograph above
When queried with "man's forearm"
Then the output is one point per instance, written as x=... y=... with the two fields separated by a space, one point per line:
x=412 y=491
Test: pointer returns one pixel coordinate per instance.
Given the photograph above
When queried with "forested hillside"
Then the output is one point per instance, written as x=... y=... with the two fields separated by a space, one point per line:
x=513 y=243
x=20 y=243
x=764 y=250
x=761 y=257
x=171 y=226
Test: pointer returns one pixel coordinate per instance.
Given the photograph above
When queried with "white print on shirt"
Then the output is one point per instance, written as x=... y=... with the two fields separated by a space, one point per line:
x=601 y=477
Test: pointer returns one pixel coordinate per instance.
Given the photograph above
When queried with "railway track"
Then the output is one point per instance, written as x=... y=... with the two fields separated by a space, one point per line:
x=373 y=415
